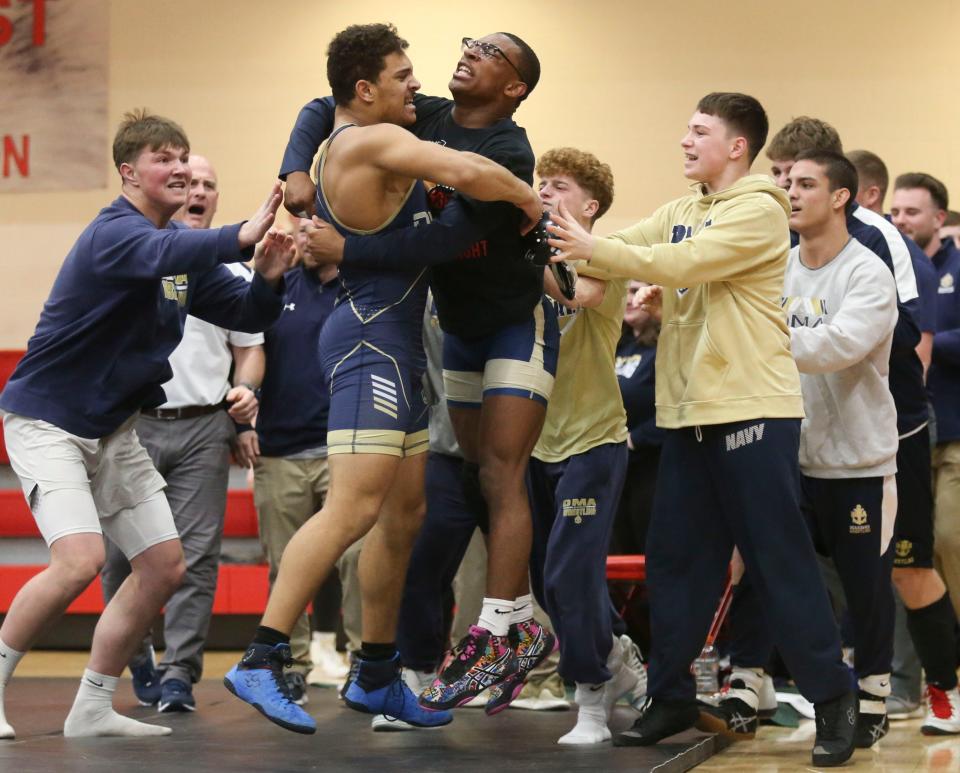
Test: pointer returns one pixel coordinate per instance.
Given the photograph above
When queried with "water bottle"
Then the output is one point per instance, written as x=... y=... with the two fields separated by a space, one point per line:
x=706 y=671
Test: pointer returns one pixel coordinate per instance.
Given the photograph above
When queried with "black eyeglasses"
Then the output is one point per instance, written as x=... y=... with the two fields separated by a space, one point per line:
x=490 y=50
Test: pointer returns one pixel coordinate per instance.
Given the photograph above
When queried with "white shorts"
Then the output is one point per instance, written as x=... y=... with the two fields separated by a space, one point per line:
x=77 y=485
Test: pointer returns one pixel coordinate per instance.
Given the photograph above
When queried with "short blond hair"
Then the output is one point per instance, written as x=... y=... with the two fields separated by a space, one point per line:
x=588 y=171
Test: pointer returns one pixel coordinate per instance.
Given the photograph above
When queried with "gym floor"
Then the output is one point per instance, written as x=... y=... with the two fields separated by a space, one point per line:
x=226 y=735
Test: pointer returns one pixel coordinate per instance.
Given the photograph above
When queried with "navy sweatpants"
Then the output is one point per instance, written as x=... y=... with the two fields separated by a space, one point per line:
x=574 y=504
x=720 y=486
x=437 y=553
x=845 y=518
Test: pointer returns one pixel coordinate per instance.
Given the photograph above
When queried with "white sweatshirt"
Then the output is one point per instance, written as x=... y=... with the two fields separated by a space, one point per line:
x=841 y=318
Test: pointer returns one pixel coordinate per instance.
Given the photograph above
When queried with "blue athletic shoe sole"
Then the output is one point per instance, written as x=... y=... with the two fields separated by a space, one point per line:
x=254 y=686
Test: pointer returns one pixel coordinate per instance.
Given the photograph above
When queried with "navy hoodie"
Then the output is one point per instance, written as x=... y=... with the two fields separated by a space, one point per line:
x=944 y=375
x=116 y=312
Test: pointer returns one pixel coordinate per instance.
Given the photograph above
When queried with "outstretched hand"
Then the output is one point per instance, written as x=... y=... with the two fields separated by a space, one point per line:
x=570 y=238
x=650 y=299
x=274 y=256
x=324 y=245
x=259 y=223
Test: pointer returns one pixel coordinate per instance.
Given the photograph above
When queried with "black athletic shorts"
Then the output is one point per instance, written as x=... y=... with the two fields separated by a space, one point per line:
x=913 y=532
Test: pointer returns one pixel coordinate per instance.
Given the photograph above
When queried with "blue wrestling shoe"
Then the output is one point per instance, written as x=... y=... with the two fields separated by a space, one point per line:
x=258 y=680
x=379 y=689
x=351 y=675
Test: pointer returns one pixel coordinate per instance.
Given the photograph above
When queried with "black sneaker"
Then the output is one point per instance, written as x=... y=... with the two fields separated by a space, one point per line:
x=658 y=719
x=836 y=730
x=731 y=717
x=870 y=729
x=872 y=721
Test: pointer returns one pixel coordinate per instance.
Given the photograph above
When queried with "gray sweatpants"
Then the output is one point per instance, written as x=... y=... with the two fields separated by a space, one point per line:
x=193 y=455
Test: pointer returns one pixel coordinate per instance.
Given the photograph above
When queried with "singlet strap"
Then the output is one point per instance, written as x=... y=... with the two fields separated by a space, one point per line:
x=321 y=161
x=339 y=129
x=326 y=148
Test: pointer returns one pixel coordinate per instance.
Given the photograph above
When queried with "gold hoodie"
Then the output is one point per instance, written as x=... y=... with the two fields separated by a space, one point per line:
x=724 y=351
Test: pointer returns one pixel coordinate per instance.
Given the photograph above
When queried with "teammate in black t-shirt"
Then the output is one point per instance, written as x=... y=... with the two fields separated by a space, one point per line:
x=500 y=344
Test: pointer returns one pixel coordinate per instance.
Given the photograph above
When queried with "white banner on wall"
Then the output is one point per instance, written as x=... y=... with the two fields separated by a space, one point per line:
x=53 y=95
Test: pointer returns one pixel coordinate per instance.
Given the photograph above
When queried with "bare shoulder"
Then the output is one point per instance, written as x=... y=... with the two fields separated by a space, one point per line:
x=379 y=135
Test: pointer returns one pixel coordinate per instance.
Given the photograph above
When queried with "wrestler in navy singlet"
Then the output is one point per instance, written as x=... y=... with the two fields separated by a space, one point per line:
x=372 y=348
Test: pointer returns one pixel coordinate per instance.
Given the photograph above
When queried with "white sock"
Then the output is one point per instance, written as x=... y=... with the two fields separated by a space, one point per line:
x=495 y=616
x=591 y=727
x=522 y=609
x=622 y=678
x=878 y=687
x=752 y=679
x=92 y=713
x=9 y=658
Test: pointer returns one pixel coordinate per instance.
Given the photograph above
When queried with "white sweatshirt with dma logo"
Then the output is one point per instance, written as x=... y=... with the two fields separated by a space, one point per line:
x=841 y=318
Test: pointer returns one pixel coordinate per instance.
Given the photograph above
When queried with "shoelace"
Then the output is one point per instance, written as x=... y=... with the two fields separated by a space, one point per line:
x=939 y=702
x=396 y=686
x=280 y=660
x=466 y=649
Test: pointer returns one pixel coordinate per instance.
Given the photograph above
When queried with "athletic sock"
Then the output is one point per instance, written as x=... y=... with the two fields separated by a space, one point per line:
x=264 y=640
x=379 y=665
x=93 y=715
x=745 y=685
x=931 y=628
x=9 y=658
x=495 y=616
x=270 y=636
x=621 y=680
x=591 y=727
x=522 y=609
x=378 y=651
x=874 y=689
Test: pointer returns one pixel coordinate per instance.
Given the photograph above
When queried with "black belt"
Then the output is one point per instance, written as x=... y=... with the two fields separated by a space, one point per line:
x=186 y=412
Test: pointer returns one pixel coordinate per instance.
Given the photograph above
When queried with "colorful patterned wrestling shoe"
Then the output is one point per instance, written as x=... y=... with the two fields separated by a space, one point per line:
x=531 y=643
x=481 y=660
